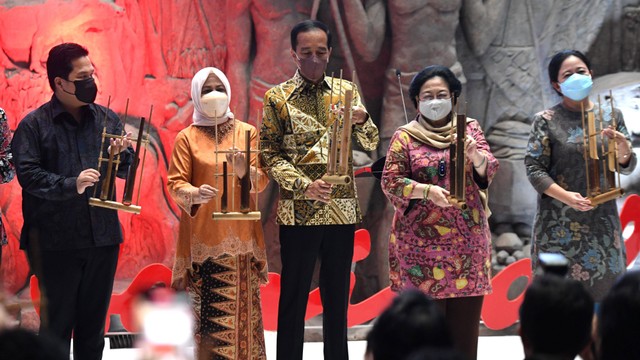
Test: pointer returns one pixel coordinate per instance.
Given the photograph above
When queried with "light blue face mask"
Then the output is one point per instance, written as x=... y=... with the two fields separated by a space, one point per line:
x=577 y=86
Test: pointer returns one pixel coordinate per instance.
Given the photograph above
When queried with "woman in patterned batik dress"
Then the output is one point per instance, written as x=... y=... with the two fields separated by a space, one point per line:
x=221 y=263
x=566 y=222
x=7 y=170
x=436 y=247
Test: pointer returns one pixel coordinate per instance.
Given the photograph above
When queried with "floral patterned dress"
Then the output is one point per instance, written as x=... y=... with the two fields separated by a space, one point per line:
x=591 y=240
x=444 y=252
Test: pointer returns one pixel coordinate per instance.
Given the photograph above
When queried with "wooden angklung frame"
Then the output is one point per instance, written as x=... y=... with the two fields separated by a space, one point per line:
x=457 y=158
x=340 y=138
x=600 y=156
x=133 y=181
x=227 y=210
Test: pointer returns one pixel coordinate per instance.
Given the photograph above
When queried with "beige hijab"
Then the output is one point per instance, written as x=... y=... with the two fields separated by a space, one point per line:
x=423 y=131
x=440 y=138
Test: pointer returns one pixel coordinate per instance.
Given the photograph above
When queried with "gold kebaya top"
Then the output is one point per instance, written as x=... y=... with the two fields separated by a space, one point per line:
x=194 y=163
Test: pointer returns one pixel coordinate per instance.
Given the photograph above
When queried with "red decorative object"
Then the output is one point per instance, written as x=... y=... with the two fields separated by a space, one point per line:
x=498 y=312
x=357 y=313
x=151 y=275
x=630 y=213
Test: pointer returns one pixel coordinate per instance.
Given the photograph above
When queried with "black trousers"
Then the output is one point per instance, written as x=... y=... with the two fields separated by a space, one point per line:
x=76 y=288
x=300 y=246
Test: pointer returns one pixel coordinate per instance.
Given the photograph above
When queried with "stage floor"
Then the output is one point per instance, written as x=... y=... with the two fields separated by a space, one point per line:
x=489 y=348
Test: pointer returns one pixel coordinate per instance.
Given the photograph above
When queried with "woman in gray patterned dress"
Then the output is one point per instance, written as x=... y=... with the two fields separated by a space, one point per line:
x=566 y=222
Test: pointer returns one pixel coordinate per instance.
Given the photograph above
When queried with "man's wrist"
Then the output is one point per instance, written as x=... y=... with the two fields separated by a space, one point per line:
x=301 y=185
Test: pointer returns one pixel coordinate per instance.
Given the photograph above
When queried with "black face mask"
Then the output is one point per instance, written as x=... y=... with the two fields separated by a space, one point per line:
x=86 y=90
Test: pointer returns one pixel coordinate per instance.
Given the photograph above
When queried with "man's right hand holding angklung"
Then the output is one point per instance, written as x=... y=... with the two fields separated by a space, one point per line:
x=319 y=190
x=86 y=178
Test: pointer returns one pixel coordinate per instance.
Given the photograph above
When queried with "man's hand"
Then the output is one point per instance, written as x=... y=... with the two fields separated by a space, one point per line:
x=358 y=114
x=120 y=144
x=319 y=190
x=85 y=179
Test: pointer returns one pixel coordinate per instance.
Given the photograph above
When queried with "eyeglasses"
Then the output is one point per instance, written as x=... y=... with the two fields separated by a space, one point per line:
x=428 y=97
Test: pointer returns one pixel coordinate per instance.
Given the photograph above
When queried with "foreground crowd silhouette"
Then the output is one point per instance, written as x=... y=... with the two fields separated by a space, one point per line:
x=558 y=320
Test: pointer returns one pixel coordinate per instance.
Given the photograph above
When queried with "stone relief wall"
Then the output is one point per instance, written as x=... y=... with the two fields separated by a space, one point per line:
x=147 y=51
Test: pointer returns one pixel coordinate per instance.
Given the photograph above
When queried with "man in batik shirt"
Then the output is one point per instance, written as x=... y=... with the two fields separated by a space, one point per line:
x=317 y=219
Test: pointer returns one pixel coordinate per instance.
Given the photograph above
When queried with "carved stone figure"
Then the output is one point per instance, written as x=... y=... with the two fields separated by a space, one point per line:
x=630 y=45
x=423 y=33
x=517 y=86
x=270 y=21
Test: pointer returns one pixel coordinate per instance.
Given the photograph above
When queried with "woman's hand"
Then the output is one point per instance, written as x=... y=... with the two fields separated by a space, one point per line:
x=237 y=158
x=438 y=195
x=623 y=146
x=478 y=158
x=204 y=194
x=577 y=201
x=471 y=152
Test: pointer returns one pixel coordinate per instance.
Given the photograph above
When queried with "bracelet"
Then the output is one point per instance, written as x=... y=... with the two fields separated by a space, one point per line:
x=484 y=158
x=425 y=192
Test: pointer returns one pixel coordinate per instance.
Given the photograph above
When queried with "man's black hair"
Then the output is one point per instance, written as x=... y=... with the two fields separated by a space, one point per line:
x=618 y=325
x=60 y=61
x=556 y=315
x=306 y=26
x=411 y=322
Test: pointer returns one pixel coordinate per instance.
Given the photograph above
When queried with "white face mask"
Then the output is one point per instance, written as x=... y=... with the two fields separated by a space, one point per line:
x=435 y=109
x=214 y=104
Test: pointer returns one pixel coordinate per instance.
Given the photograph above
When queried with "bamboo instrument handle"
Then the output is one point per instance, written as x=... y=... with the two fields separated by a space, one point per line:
x=345 y=143
x=245 y=182
x=224 y=199
x=133 y=168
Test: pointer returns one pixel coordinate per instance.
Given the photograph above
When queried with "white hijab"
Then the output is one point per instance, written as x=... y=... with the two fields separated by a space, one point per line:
x=199 y=117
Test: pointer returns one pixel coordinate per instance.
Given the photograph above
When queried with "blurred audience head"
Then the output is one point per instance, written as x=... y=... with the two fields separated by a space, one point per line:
x=619 y=319
x=21 y=344
x=411 y=322
x=431 y=353
x=555 y=318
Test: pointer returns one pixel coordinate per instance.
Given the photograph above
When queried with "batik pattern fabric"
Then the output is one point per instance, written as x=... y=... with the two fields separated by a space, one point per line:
x=295 y=138
x=227 y=311
x=7 y=170
x=591 y=240
x=443 y=251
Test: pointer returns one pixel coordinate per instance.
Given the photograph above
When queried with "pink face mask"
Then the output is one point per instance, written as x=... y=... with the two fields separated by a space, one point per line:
x=312 y=67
